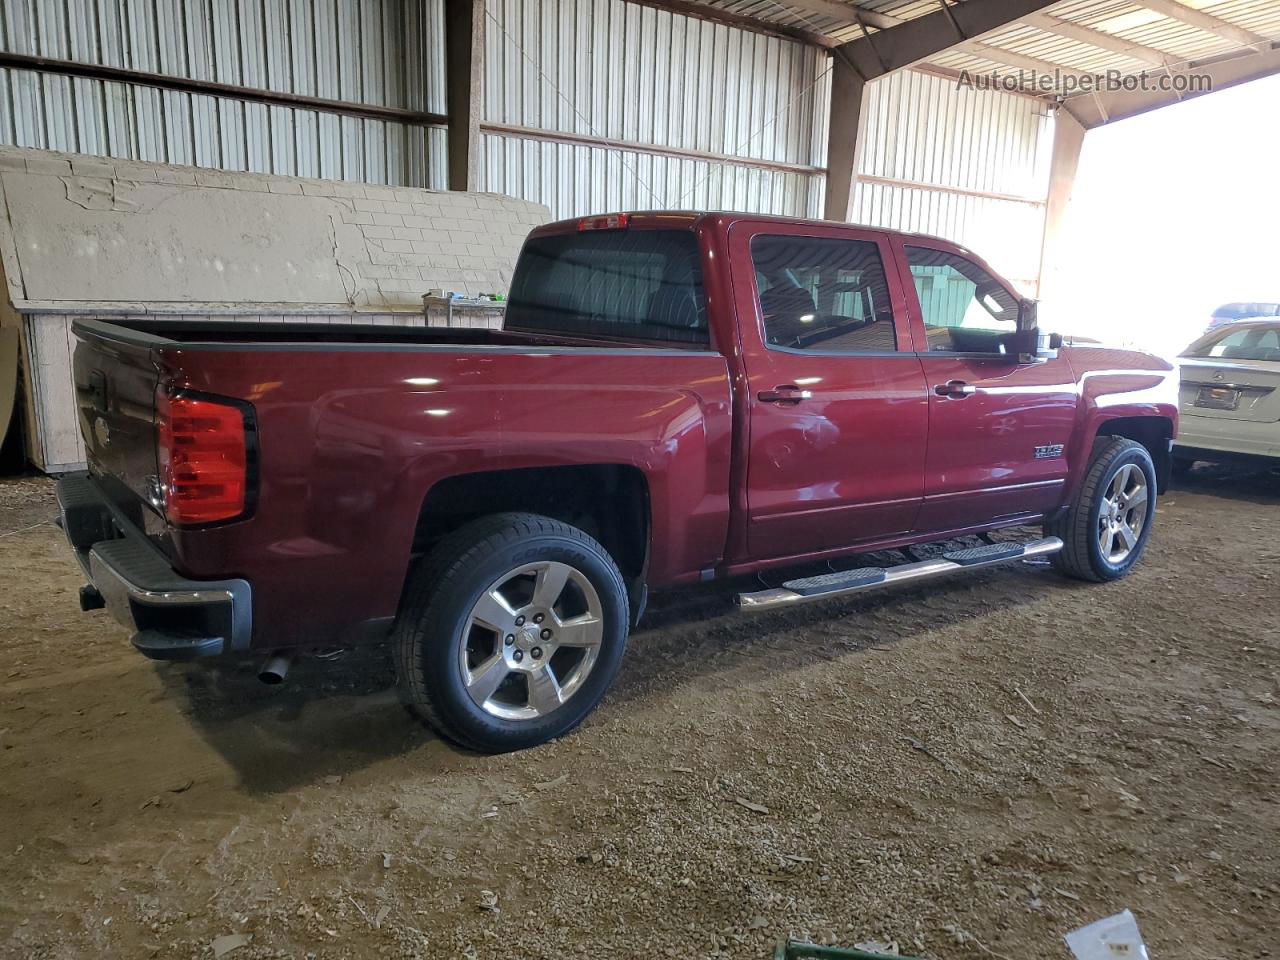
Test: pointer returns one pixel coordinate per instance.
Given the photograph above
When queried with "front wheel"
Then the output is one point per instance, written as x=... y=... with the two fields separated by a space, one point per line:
x=1106 y=530
x=511 y=632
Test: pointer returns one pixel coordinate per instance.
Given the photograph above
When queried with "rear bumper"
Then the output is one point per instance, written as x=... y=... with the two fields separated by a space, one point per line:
x=171 y=617
x=1252 y=438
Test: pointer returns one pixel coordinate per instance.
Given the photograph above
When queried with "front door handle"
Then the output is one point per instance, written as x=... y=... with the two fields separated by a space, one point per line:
x=785 y=393
x=956 y=389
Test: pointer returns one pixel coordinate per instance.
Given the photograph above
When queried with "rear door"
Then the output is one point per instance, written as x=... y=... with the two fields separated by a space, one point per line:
x=998 y=429
x=837 y=409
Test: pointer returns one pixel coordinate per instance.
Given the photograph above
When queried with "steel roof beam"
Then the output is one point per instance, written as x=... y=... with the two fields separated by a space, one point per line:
x=1097 y=109
x=1206 y=22
x=893 y=48
x=1020 y=60
x=914 y=40
x=702 y=11
x=1097 y=38
x=842 y=11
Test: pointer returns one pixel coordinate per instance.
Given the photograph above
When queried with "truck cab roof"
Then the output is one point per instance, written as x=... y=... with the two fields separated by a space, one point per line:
x=690 y=219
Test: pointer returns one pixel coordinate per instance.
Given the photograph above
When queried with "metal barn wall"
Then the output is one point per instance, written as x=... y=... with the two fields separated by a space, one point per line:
x=969 y=165
x=379 y=52
x=676 y=96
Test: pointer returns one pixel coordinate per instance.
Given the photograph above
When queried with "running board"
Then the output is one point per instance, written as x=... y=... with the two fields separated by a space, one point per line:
x=866 y=579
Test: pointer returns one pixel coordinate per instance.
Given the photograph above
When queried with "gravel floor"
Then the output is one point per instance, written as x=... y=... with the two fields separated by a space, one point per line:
x=964 y=772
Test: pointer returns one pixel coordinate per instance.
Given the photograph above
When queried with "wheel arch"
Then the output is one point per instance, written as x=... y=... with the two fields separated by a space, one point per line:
x=1155 y=433
x=609 y=501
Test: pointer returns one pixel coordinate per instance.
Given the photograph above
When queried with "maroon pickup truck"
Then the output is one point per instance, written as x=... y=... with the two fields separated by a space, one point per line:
x=675 y=398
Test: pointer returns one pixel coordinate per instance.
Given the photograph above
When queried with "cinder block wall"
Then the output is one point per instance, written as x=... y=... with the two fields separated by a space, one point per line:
x=349 y=245
x=88 y=235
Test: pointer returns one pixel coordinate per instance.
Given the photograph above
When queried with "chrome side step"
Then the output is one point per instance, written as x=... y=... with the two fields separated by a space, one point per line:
x=866 y=579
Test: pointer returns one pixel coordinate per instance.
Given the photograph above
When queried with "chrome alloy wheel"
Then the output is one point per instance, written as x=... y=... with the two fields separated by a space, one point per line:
x=531 y=640
x=1126 y=505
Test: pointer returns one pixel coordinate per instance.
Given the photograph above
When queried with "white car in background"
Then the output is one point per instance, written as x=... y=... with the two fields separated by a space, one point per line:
x=1230 y=396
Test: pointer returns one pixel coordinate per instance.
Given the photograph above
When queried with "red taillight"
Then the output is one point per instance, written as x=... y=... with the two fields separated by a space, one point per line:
x=203 y=459
x=612 y=221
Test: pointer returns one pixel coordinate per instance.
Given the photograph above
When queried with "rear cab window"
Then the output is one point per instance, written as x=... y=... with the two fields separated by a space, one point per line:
x=631 y=284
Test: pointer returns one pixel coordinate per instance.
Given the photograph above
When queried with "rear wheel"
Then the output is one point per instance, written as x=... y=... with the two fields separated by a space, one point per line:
x=1106 y=529
x=511 y=632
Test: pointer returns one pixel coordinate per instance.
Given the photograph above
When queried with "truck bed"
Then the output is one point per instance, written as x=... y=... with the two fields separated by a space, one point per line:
x=354 y=428
x=239 y=334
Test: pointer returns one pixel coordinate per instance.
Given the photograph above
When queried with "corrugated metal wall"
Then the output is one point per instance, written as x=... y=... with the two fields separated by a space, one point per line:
x=969 y=165
x=382 y=52
x=677 y=97
x=625 y=72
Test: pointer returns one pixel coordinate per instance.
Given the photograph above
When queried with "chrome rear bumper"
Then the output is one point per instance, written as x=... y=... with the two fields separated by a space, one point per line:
x=171 y=617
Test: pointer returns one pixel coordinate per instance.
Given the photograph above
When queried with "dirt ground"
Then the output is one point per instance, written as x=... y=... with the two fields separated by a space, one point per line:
x=847 y=772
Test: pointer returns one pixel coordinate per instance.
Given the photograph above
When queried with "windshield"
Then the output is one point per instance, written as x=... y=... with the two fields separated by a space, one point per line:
x=637 y=284
x=1254 y=341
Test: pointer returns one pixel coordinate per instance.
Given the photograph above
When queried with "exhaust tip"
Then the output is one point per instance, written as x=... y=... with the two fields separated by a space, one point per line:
x=275 y=669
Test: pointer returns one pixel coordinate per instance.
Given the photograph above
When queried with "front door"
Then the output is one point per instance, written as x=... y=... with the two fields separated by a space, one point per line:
x=998 y=428
x=837 y=408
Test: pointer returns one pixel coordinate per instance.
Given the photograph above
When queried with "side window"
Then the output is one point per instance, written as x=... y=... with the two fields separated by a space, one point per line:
x=824 y=295
x=965 y=309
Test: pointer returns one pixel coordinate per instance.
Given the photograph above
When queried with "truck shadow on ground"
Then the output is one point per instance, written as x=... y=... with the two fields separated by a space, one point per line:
x=335 y=717
x=329 y=718
x=1261 y=486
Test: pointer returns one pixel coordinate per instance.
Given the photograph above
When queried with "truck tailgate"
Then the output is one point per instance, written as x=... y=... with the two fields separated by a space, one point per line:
x=115 y=386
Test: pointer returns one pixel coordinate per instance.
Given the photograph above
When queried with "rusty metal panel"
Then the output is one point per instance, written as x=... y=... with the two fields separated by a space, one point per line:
x=381 y=52
x=968 y=165
x=605 y=69
x=922 y=127
x=1006 y=234
x=574 y=179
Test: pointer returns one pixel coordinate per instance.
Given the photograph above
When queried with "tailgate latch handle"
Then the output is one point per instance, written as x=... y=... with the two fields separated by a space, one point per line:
x=98 y=391
x=785 y=393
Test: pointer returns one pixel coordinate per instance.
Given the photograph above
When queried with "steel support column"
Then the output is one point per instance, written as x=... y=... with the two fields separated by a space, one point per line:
x=464 y=78
x=848 y=92
x=873 y=55
x=1068 y=137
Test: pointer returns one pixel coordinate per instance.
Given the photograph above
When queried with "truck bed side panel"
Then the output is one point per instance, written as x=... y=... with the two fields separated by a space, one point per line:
x=351 y=441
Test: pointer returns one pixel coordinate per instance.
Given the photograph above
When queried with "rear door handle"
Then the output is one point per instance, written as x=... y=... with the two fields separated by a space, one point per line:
x=957 y=389
x=785 y=393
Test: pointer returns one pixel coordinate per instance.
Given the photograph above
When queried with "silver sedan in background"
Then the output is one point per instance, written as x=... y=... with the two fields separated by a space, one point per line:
x=1230 y=396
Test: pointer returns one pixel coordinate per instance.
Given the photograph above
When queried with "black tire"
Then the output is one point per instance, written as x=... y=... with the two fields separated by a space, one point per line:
x=1081 y=556
x=428 y=637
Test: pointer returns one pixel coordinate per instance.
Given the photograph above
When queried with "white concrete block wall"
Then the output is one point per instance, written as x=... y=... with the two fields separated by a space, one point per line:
x=390 y=244
x=122 y=238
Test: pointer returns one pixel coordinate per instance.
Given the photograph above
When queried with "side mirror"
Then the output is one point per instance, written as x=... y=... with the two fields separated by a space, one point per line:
x=1028 y=310
x=1032 y=346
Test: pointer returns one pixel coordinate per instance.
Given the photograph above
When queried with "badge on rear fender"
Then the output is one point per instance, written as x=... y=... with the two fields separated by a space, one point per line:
x=1049 y=451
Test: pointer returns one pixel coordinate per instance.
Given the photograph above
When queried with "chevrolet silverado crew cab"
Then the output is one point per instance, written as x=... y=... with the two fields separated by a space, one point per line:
x=675 y=398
